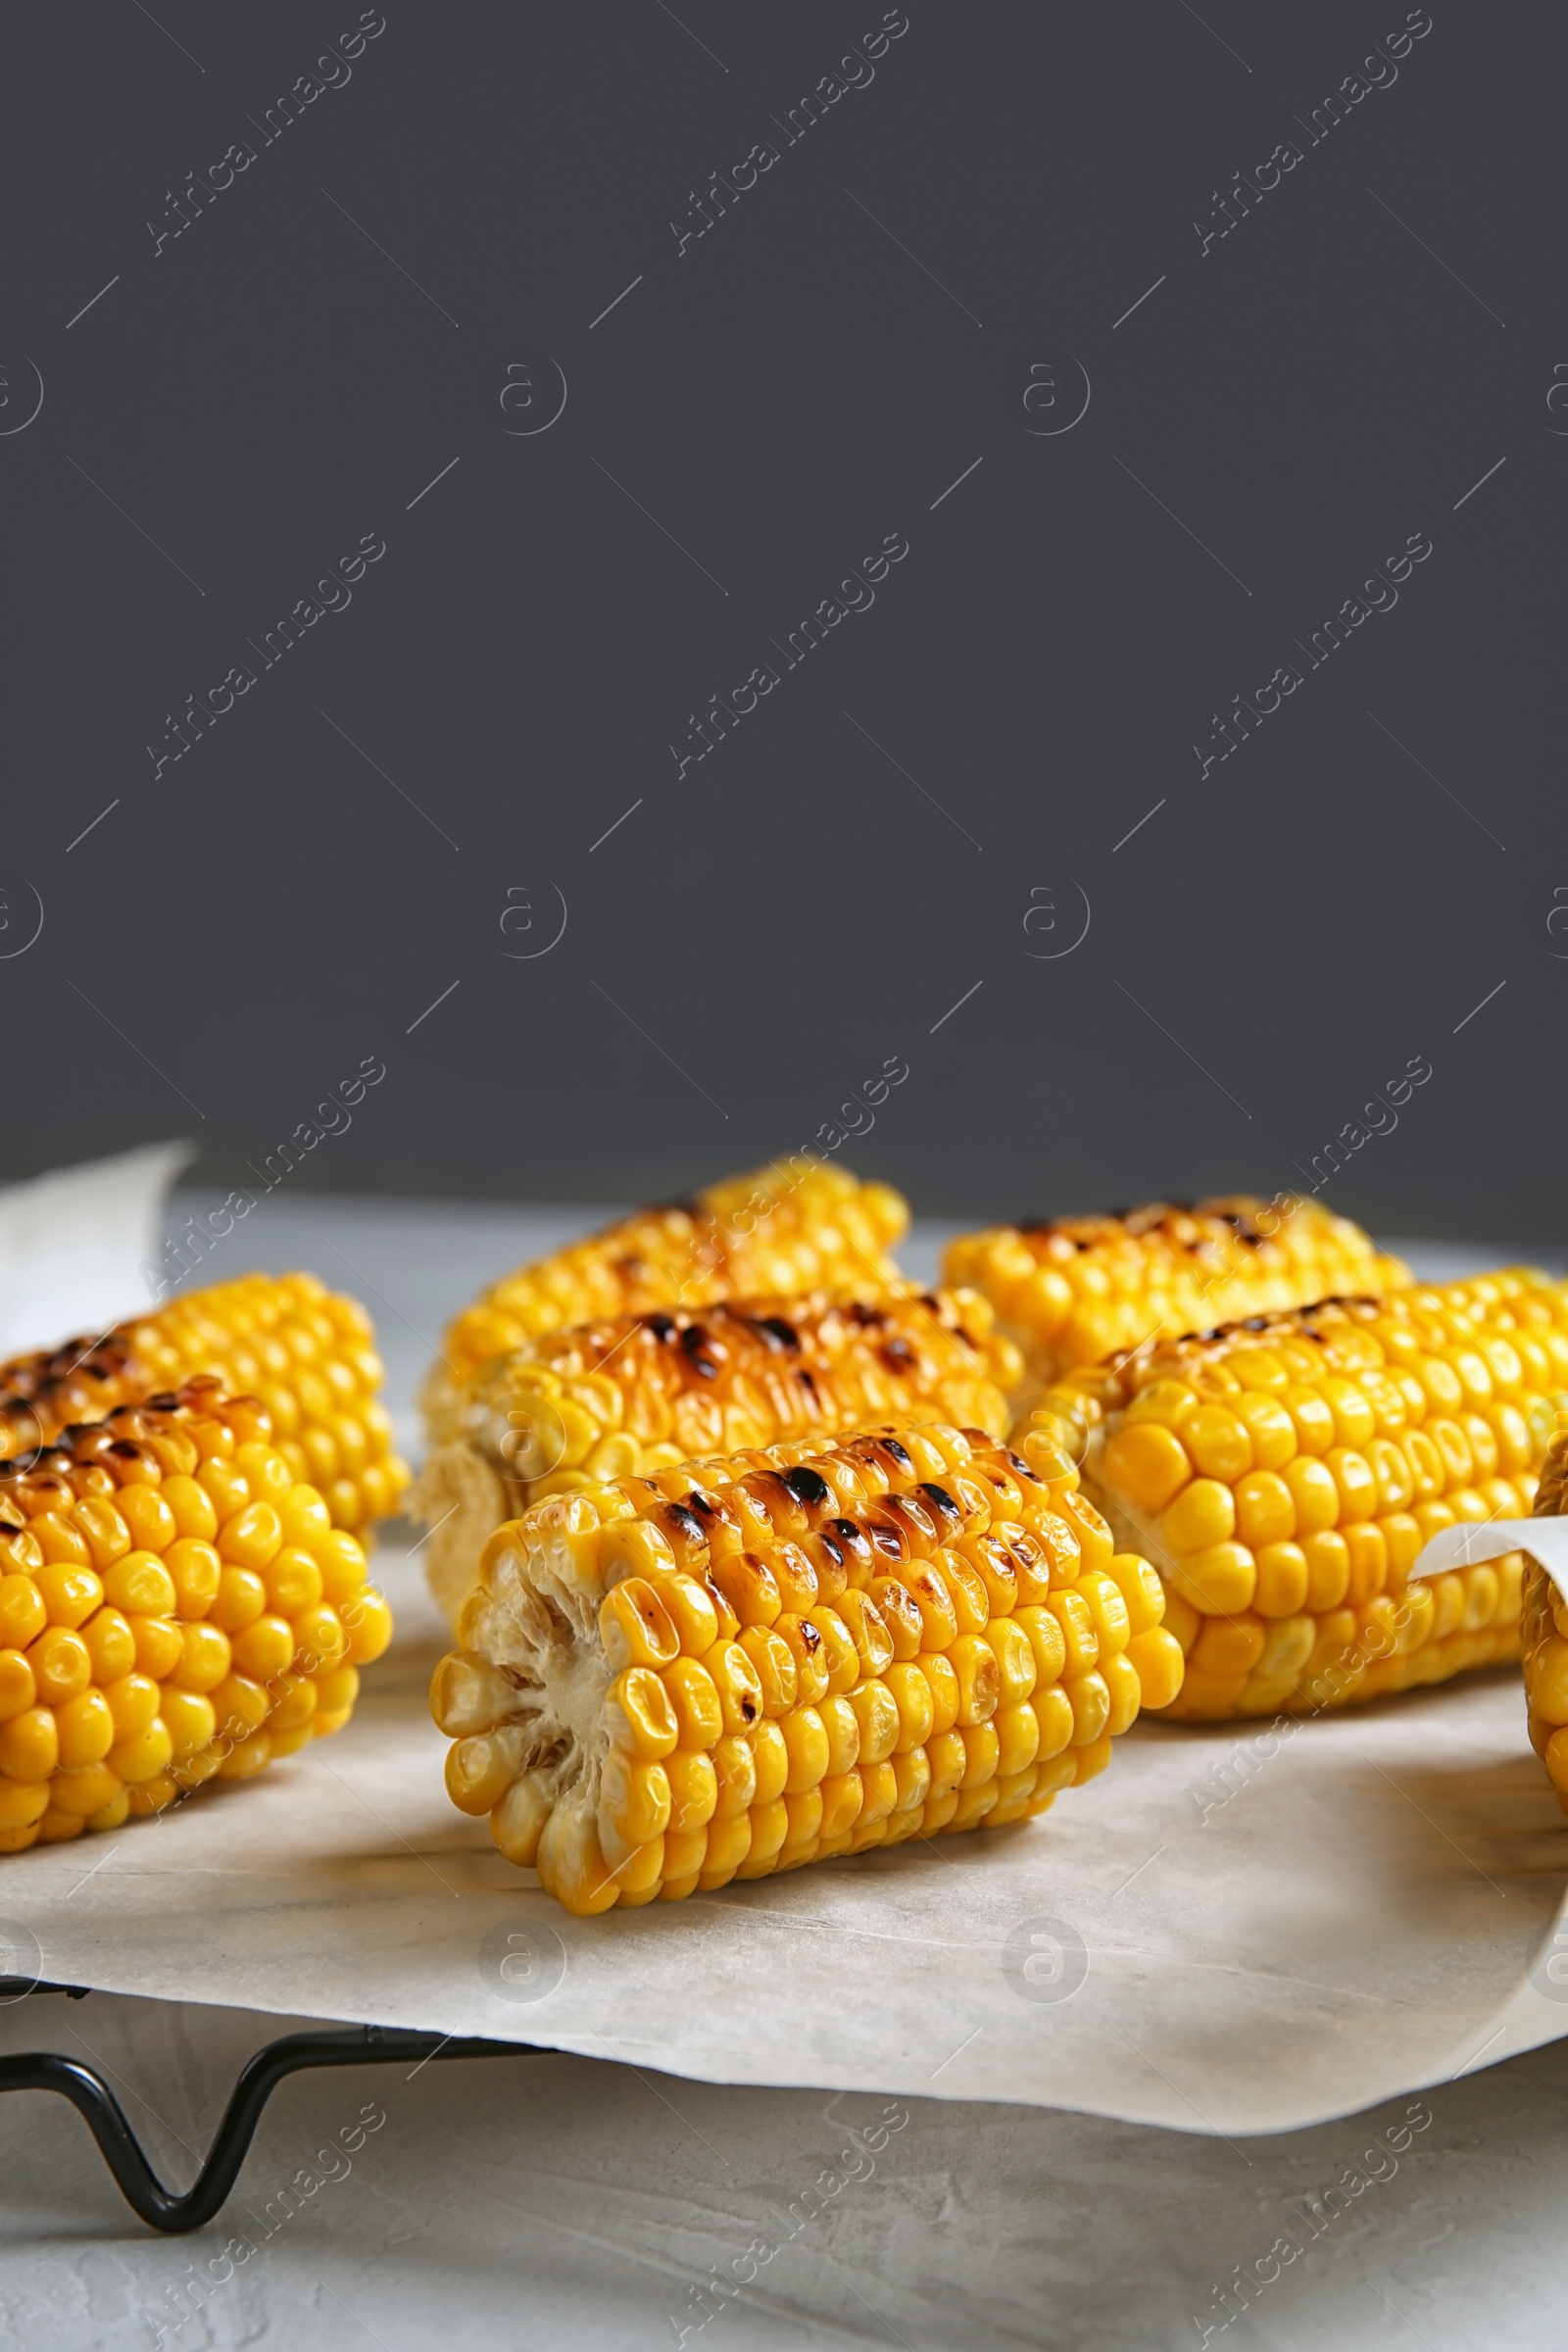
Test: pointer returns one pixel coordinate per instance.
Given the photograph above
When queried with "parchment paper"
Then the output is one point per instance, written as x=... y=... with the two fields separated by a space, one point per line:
x=72 y=1244
x=1228 y=1931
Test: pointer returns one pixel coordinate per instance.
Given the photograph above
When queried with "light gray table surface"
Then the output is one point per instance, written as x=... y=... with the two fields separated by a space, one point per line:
x=553 y=2200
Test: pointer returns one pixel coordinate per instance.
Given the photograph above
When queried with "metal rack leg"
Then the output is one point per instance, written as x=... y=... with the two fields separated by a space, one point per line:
x=160 y=2208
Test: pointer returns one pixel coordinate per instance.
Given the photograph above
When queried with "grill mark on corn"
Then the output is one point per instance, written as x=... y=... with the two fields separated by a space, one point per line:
x=689 y=1712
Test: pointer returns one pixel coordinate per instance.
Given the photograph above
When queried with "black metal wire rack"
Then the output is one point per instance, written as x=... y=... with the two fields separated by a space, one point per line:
x=162 y=2208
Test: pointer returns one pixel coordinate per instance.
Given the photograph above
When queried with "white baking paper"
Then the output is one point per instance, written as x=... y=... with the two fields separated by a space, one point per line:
x=1235 y=1929
x=1461 y=1547
x=72 y=1244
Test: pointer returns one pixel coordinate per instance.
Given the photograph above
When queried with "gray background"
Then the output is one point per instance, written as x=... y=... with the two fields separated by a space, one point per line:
x=1273 y=420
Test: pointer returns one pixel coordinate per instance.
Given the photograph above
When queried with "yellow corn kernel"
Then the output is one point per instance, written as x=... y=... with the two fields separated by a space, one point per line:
x=158 y=1646
x=141 y=1585
x=1157 y=1658
x=635 y=1626
x=62 y=1666
x=634 y=1798
x=69 y=1593
x=916 y=1706
x=876 y=1711
x=1147 y=1464
x=1107 y=1606
x=774 y=1663
x=1219 y=1444
x=85 y=1728
x=1080 y=1640
x=1053 y=1713
x=1218 y=1582
x=806 y=1741
x=1203 y=1514
x=197 y=1571
x=1017 y=1730
x=23 y=1615
x=1010 y=1643
x=643 y=1715
x=1282 y=1579
x=1229 y=1645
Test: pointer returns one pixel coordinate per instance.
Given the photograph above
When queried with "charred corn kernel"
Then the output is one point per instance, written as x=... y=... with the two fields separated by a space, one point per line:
x=1075 y=1290
x=139 y=1692
x=310 y=1352
x=800 y=1730
x=656 y=1385
x=1370 y=1425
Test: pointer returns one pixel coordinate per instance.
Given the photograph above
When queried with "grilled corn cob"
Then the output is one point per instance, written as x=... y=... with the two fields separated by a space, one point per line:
x=799 y=1225
x=174 y=1606
x=1076 y=1290
x=1284 y=1473
x=726 y=1670
x=1544 y=1631
x=308 y=1352
x=637 y=1394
